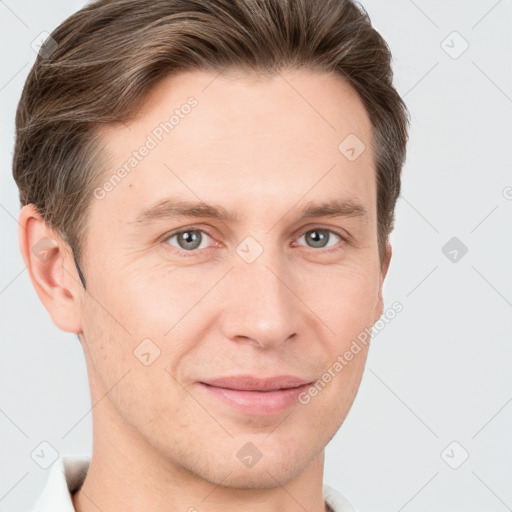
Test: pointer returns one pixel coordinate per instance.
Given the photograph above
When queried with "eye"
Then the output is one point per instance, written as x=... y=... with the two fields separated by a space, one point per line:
x=188 y=240
x=318 y=238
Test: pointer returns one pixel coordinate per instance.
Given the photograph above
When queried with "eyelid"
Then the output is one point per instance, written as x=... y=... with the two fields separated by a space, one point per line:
x=337 y=231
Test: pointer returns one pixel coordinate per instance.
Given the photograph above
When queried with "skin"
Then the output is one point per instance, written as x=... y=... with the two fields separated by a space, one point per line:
x=257 y=148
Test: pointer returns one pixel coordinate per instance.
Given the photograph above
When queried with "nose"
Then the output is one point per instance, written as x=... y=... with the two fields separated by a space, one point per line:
x=262 y=308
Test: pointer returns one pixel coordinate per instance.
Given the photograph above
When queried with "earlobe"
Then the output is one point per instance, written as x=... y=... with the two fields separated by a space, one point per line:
x=47 y=258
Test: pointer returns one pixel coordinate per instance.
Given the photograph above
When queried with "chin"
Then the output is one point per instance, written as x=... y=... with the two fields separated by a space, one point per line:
x=262 y=476
x=273 y=463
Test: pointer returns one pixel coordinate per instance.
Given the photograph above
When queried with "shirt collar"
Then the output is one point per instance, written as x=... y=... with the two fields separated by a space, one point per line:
x=66 y=476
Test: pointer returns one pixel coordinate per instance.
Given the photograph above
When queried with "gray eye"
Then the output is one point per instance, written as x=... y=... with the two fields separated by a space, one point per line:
x=188 y=240
x=318 y=238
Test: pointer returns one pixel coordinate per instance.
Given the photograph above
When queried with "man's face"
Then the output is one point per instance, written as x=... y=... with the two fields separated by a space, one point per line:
x=271 y=293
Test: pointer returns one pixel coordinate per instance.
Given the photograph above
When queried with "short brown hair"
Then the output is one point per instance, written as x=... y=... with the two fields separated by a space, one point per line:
x=107 y=57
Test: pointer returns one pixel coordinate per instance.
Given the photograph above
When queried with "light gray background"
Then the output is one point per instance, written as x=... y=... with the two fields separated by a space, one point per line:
x=438 y=373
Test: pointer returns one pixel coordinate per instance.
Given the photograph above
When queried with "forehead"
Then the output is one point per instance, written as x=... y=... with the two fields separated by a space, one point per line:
x=274 y=140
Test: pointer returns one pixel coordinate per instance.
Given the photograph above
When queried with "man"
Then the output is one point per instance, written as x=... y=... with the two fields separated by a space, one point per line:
x=208 y=189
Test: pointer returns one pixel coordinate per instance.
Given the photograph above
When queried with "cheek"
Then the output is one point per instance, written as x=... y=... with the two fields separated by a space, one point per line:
x=144 y=318
x=344 y=298
x=344 y=301
x=161 y=296
x=128 y=359
x=108 y=337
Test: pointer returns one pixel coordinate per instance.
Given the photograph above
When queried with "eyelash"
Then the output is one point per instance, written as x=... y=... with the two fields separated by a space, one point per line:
x=182 y=252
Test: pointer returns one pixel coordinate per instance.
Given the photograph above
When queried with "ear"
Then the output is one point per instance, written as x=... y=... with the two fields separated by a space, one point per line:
x=50 y=264
x=379 y=308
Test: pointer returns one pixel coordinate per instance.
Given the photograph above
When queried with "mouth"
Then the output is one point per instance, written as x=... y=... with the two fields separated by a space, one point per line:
x=256 y=396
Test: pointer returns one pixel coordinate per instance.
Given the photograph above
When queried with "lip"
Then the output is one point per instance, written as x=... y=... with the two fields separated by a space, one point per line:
x=256 y=396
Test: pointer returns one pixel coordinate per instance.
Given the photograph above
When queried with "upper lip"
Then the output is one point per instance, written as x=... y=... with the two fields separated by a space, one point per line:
x=252 y=383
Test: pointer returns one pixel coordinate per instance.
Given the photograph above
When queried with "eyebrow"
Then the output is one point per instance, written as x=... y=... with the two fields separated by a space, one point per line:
x=171 y=208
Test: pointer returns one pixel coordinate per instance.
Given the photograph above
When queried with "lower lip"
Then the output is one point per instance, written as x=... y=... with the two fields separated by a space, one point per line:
x=258 y=403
